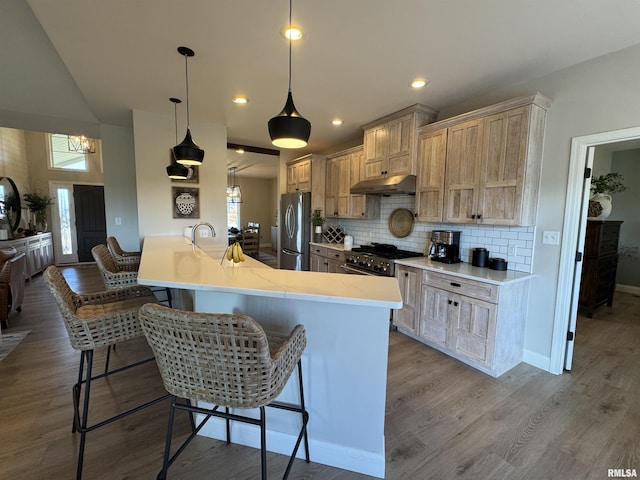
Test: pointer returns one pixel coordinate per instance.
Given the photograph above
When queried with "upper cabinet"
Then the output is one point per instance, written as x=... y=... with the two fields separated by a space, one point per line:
x=345 y=169
x=390 y=142
x=307 y=174
x=483 y=166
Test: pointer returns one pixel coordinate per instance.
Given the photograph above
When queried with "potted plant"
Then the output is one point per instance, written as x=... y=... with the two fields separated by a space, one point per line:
x=317 y=220
x=37 y=204
x=602 y=187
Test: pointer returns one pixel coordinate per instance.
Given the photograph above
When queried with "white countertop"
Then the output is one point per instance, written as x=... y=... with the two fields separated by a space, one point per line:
x=171 y=261
x=466 y=270
x=332 y=246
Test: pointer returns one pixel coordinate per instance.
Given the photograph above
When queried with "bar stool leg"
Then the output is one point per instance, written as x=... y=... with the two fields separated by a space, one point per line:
x=263 y=443
x=82 y=428
x=167 y=446
x=306 y=435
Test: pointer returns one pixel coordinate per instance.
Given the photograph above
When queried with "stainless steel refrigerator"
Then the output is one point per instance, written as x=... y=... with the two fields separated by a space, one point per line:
x=295 y=231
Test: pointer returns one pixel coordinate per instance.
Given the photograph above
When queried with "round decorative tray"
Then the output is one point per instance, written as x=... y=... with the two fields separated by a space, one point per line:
x=401 y=222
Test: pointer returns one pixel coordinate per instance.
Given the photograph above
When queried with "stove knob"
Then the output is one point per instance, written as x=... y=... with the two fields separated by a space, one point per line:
x=383 y=269
x=362 y=264
x=376 y=268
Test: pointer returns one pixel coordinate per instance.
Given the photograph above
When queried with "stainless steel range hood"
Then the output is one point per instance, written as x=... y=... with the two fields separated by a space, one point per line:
x=395 y=185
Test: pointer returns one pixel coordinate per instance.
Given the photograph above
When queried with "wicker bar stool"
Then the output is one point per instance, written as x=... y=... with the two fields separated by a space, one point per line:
x=117 y=273
x=96 y=320
x=227 y=360
x=119 y=255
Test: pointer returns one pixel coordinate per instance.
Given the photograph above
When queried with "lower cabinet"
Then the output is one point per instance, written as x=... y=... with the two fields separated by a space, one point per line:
x=479 y=323
x=326 y=259
x=38 y=250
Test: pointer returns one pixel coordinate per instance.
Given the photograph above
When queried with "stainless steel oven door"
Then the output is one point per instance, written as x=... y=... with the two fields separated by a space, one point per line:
x=355 y=271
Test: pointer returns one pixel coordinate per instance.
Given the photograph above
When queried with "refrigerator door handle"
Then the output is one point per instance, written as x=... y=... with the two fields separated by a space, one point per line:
x=289 y=252
x=290 y=221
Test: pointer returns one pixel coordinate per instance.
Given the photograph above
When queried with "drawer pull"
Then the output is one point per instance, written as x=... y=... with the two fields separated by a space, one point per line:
x=455 y=304
x=454 y=284
x=450 y=301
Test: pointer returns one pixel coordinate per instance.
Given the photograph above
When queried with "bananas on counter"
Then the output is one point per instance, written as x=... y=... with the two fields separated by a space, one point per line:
x=235 y=254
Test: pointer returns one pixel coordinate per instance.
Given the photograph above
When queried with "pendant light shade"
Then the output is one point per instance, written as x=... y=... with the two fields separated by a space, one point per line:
x=289 y=129
x=187 y=152
x=176 y=171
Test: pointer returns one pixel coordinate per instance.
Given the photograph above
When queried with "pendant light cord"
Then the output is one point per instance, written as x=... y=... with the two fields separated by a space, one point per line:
x=290 y=33
x=186 y=76
x=175 y=118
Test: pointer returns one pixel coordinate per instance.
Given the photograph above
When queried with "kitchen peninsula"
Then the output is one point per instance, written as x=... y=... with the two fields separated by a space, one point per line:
x=346 y=318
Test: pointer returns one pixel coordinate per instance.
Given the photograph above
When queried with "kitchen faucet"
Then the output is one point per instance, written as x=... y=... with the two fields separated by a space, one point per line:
x=193 y=232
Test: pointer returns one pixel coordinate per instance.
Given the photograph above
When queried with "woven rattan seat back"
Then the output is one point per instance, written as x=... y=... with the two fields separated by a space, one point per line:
x=119 y=255
x=222 y=359
x=99 y=318
x=113 y=274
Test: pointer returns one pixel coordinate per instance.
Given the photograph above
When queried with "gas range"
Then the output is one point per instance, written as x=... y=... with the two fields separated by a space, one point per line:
x=376 y=259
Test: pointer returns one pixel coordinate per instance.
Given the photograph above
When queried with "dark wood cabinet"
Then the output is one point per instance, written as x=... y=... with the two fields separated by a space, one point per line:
x=600 y=264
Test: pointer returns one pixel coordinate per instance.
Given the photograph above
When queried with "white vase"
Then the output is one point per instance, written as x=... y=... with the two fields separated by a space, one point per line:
x=599 y=206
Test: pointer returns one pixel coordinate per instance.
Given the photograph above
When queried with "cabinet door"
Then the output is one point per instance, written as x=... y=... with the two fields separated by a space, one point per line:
x=432 y=152
x=434 y=324
x=304 y=176
x=504 y=154
x=473 y=329
x=399 y=143
x=317 y=263
x=292 y=178
x=331 y=188
x=464 y=144
x=375 y=146
x=409 y=283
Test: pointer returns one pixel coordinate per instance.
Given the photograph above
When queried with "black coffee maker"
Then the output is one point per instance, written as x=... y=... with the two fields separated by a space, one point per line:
x=445 y=246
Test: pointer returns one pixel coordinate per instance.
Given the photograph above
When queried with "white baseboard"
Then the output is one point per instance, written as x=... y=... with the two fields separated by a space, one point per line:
x=338 y=456
x=537 y=360
x=628 y=289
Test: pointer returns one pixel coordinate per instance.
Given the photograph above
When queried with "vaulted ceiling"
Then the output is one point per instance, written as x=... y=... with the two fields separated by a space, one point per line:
x=355 y=61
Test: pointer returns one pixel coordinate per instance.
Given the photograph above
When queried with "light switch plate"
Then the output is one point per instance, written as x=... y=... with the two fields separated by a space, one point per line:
x=551 y=238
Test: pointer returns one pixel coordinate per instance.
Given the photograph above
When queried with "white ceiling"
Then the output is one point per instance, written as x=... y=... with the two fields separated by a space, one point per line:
x=355 y=61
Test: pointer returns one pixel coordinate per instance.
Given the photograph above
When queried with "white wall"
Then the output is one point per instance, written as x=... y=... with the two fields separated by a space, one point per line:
x=120 y=185
x=154 y=136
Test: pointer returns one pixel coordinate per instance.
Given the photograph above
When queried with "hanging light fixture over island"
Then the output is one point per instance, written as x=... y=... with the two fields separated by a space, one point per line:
x=289 y=129
x=187 y=152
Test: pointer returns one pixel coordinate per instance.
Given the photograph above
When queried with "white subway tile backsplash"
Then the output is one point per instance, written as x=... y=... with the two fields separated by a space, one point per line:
x=494 y=238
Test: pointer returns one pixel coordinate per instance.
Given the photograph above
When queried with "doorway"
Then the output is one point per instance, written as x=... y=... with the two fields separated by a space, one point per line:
x=573 y=242
x=78 y=221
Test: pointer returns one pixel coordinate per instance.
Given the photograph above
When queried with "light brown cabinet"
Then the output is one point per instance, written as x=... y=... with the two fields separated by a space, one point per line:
x=492 y=163
x=432 y=154
x=477 y=322
x=299 y=176
x=307 y=174
x=390 y=142
x=325 y=259
x=344 y=169
x=409 y=279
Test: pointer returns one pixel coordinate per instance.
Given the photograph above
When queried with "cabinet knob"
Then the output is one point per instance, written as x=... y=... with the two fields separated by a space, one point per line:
x=479 y=216
x=450 y=302
x=455 y=304
x=406 y=274
x=473 y=216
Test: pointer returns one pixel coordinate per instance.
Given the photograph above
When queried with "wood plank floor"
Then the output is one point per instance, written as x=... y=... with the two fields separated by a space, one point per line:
x=444 y=419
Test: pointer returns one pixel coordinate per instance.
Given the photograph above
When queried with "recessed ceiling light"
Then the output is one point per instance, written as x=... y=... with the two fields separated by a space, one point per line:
x=336 y=121
x=418 y=83
x=240 y=100
x=293 y=32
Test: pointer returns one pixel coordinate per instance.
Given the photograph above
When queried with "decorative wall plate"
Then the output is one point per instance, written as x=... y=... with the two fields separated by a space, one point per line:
x=401 y=222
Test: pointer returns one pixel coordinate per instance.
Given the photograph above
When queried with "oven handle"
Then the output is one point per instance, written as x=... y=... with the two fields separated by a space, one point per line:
x=351 y=270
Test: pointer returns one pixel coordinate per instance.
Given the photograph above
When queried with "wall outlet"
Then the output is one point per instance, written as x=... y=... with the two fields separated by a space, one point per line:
x=551 y=238
x=118 y=220
x=204 y=233
x=512 y=250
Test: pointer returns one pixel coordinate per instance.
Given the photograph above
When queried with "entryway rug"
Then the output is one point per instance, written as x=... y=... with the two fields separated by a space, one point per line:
x=9 y=341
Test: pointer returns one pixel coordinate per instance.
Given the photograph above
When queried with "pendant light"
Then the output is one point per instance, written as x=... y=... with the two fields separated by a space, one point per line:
x=234 y=194
x=187 y=153
x=175 y=170
x=289 y=129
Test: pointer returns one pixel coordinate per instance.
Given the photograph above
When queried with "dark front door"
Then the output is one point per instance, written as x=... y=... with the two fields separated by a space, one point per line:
x=91 y=225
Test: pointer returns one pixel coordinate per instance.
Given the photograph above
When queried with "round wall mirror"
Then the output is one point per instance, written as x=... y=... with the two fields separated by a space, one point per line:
x=9 y=204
